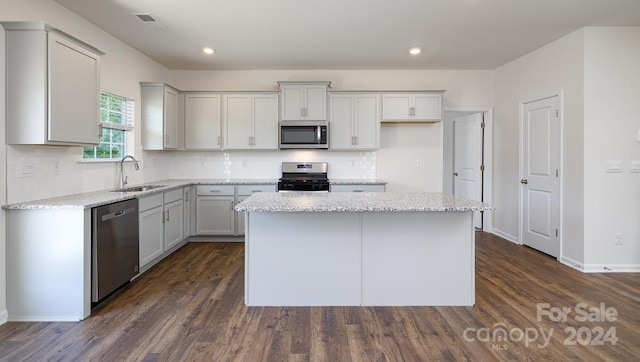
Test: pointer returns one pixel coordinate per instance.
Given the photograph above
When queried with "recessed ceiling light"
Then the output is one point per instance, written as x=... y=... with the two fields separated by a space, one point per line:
x=415 y=51
x=208 y=50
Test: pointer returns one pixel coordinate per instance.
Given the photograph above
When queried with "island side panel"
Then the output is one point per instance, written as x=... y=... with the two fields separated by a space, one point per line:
x=418 y=259
x=303 y=259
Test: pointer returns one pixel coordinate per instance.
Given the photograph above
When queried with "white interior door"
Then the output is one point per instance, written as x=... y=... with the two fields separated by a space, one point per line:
x=540 y=175
x=467 y=159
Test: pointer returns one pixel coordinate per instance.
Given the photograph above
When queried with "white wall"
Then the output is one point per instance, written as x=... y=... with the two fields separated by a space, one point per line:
x=41 y=172
x=612 y=122
x=555 y=67
x=401 y=144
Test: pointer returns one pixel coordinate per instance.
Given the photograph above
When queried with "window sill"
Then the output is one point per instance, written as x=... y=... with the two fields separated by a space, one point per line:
x=104 y=160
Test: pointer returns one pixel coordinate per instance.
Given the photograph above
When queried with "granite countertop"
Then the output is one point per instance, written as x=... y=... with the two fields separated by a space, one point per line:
x=358 y=202
x=88 y=200
x=338 y=181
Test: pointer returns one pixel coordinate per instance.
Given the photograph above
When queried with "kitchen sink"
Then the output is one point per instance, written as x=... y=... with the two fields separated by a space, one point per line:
x=138 y=188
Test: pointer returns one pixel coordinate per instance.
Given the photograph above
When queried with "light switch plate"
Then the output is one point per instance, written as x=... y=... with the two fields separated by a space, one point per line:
x=635 y=166
x=614 y=166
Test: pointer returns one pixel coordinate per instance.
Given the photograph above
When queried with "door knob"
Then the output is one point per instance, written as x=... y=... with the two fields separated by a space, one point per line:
x=524 y=181
x=455 y=174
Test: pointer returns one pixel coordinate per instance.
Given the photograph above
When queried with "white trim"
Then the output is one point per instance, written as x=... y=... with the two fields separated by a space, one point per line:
x=571 y=263
x=488 y=158
x=4 y=316
x=611 y=268
x=506 y=236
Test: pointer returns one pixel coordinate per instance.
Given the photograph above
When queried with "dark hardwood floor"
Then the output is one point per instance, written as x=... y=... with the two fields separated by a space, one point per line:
x=190 y=307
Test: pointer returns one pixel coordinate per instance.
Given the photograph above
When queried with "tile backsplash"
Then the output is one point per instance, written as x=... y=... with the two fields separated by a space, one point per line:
x=39 y=172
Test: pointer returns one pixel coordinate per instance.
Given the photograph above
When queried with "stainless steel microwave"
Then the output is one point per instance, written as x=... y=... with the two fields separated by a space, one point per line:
x=304 y=134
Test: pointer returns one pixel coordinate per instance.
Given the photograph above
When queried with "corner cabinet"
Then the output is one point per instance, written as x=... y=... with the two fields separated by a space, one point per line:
x=159 y=116
x=407 y=107
x=355 y=121
x=303 y=101
x=202 y=121
x=250 y=121
x=53 y=87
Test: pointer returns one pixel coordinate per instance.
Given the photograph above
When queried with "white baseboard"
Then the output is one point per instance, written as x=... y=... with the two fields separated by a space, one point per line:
x=502 y=234
x=216 y=239
x=611 y=268
x=571 y=263
x=600 y=268
x=4 y=316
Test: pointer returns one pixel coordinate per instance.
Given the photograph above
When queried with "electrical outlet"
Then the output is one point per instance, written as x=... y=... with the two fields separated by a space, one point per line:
x=245 y=164
x=619 y=240
x=418 y=163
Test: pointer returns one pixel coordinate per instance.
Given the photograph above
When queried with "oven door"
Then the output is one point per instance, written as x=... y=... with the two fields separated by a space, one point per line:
x=304 y=135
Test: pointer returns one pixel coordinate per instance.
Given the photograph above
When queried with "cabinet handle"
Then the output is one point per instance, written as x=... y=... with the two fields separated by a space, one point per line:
x=355 y=140
x=186 y=196
x=214 y=190
x=219 y=140
x=358 y=190
x=249 y=140
x=166 y=139
x=256 y=190
x=232 y=205
x=167 y=215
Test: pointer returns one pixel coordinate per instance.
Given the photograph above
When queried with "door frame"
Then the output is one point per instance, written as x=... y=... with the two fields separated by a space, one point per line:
x=559 y=94
x=487 y=182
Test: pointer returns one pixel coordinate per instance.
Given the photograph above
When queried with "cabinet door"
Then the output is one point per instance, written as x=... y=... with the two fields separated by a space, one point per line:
x=215 y=215
x=170 y=118
x=292 y=102
x=366 y=124
x=186 y=229
x=237 y=121
x=151 y=235
x=202 y=122
x=315 y=102
x=173 y=223
x=396 y=106
x=265 y=122
x=74 y=93
x=340 y=128
x=427 y=106
x=240 y=217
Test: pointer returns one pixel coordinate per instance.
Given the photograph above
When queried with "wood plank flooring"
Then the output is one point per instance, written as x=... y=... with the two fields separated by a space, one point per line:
x=190 y=307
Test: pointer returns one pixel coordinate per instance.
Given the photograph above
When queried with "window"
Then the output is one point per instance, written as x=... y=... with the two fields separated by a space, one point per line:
x=116 y=119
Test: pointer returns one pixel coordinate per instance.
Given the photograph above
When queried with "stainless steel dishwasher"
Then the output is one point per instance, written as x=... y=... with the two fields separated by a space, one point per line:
x=115 y=247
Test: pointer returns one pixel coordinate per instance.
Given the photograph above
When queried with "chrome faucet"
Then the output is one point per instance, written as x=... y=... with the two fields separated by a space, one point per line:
x=123 y=178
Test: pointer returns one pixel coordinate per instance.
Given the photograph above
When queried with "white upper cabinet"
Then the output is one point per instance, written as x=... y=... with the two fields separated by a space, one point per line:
x=306 y=101
x=202 y=120
x=412 y=107
x=53 y=87
x=354 y=121
x=251 y=121
x=159 y=116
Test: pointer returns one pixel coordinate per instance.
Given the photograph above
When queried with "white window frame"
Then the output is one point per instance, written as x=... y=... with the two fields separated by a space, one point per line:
x=127 y=126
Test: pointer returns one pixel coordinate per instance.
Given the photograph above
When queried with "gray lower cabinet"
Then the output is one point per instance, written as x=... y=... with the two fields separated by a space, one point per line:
x=214 y=210
x=242 y=192
x=161 y=218
x=215 y=214
x=358 y=188
x=151 y=215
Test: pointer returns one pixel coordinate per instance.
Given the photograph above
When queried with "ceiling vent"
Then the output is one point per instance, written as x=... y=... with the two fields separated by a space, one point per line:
x=149 y=20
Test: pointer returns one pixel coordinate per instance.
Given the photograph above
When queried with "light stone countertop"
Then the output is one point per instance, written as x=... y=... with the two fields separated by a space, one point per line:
x=88 y=200
x=359 y=202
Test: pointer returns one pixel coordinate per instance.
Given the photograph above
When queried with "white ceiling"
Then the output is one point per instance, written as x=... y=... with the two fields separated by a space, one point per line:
x=348 y=34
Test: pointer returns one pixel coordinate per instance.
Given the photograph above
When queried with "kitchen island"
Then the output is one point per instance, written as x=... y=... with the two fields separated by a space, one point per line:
x=350 y=249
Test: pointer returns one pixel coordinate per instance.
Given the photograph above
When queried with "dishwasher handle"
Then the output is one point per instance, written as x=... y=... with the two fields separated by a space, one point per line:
x=117 y=214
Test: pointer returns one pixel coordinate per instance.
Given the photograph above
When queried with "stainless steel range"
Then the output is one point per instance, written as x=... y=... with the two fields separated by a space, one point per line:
x=304 y=176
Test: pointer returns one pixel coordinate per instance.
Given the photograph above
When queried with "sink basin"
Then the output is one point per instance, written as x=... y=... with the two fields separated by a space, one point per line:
x=138 y=188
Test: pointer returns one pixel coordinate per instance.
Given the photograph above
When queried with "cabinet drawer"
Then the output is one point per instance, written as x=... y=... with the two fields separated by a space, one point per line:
x=215 y=190
x=246 y=190
x=149 y=202
x=173 y=195
x=357 y=188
